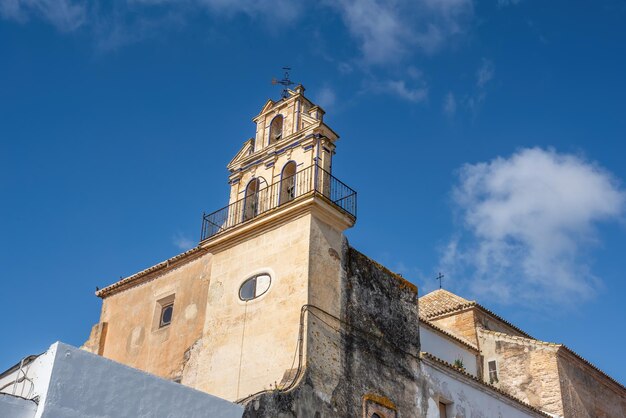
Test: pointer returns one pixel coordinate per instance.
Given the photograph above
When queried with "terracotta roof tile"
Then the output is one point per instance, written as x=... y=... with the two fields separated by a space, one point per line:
x=440 y=300
x=146 y=274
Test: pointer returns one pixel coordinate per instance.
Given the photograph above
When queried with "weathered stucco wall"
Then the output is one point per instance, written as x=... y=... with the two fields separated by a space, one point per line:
x=324 y=300
x=447 y=349
x=488 y=322
x=249 y=346
x=133 y=336
x=465 y=324
x=526 y=369
x=464 y=397
x=370 y=349
x=15 y=407
x=587 y=393
x=368 y=356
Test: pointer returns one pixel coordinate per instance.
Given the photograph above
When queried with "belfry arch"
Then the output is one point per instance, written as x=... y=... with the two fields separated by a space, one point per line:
x=288 y=183
x=251 y=200
x=276 y=129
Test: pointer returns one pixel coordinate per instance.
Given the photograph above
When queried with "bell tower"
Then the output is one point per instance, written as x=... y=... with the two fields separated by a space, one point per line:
x=275 y=249
x=228 y=316
x=289 y=157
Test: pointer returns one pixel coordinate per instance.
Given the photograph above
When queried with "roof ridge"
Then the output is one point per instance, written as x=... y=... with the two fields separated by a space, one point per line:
x=517 y=337
x=558 y=346
x=437 y=314
x=447 y=292
x=451 y=309
x=105 y=291
x=590 y=364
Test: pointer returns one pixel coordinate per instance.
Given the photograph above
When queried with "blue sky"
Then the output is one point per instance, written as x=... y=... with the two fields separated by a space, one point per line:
x=485 y=139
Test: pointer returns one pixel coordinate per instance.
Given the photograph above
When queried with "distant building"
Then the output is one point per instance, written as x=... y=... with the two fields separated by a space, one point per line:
x=546 y=375
x=275 y=311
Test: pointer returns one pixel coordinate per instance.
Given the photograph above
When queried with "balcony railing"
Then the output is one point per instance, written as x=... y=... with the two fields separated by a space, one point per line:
x=308 y=181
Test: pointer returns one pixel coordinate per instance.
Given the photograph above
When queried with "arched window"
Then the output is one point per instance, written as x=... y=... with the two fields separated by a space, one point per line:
x=255 y=286
x=288 y=183
x=276 y=129
x=251 y=200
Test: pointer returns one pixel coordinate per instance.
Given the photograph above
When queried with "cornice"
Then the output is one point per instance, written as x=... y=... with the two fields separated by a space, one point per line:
x=315 y=204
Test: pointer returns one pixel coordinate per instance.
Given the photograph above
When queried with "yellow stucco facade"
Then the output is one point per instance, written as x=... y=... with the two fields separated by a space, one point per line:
x=216 y=341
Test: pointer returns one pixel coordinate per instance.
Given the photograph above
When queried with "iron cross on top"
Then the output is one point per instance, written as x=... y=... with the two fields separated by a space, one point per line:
x=440 y=278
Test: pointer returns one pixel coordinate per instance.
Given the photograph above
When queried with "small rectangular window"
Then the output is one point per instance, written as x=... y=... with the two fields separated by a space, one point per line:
x=493 y=372
x=163 y=312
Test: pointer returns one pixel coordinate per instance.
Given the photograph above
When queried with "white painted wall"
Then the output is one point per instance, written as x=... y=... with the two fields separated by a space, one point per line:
x=72 y=383
x=446 y=349
x=465 y=397
x=32 y=381
x=14 y=407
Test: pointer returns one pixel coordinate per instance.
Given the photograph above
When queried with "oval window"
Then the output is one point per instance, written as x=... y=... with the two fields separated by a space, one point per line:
x=255 y=286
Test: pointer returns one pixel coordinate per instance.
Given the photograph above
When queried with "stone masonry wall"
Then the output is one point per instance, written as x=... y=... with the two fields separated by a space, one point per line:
x=377 y=343
x=462 y=324
x=526 y=370
x=587 y=393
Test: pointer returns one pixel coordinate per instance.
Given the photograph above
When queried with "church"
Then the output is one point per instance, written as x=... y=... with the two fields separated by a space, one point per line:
x=274 y=311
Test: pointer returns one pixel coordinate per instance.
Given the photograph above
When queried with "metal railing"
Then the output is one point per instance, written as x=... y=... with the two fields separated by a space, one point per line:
x=311 y=180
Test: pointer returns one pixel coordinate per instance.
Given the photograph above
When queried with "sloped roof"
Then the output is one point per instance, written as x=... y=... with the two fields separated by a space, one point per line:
x=147 y=273
x=438 y=329
x=441 y=300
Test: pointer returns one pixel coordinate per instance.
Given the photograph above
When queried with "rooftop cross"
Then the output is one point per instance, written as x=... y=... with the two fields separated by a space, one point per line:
x=440 y=278
x=285 y=82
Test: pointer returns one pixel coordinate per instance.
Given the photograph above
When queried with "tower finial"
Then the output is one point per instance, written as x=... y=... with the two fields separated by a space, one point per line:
x=285 y=82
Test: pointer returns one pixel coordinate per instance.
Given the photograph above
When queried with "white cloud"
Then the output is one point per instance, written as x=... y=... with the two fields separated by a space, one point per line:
x=414 y=73
x=345 y=68
x=376 y=27
x=68 y=15
x=527 y=221
x=389 y=30
x=183 y=242
x=385 y=31
x=279 y=11
x=449 y=104
x=400 y=89
x=504 y=3
x=326 y=97
x=65 y=15
x=485 y=73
